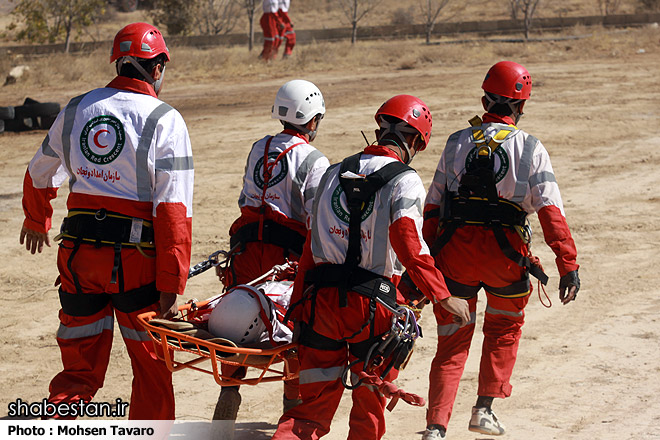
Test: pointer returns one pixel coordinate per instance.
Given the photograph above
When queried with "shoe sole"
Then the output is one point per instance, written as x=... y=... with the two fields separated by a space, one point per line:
x=482 y=430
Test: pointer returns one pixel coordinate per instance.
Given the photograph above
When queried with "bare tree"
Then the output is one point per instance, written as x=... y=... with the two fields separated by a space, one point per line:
x=355 y=10
x=213 y=17
x=250 y=8
x=431 y=11
x=608 y=7
x=50 y=21
x=527 y=8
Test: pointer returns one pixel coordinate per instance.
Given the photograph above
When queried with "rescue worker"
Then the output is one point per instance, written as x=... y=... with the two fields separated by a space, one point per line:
x=126 y=240
x=286 y=34
x=270 y=27
x=490 y=177
x=355 y=249
x=281 y=177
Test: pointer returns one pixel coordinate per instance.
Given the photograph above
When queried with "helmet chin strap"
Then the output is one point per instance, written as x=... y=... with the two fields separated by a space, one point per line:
x=157 y=84
x=398 y=129
x=512 y=103
x=303 y=129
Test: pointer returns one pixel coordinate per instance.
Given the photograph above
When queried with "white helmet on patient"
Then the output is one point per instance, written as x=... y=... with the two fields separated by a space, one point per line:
x=297 y=102
x=237 y=316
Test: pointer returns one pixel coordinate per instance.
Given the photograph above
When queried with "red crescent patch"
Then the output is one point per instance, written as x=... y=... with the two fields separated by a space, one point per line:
x=96 y=138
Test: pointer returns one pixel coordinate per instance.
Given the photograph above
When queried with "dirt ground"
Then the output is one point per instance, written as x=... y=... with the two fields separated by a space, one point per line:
x=588 y=370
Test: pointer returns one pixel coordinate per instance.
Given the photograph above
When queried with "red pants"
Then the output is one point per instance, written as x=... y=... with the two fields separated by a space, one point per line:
x=320 y=376
x=286 y=32
x=270 y=27
x=85 y=341
x=473 y=256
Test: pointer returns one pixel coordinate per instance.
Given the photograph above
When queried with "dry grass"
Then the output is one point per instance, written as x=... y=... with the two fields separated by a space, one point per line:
x=236 y=63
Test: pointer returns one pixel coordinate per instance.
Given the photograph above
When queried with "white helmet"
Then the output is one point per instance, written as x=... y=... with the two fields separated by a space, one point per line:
x=297 y=102
x=237 y=316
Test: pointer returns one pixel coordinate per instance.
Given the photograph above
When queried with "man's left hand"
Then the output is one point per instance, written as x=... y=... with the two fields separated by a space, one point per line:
x=569 y=285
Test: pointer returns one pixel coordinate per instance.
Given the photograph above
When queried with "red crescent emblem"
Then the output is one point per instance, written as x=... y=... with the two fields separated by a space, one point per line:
x=96 y=138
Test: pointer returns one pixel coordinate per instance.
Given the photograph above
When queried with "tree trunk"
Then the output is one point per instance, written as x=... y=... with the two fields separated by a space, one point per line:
x=67 y=41
x=251 y=31
x=354 y=33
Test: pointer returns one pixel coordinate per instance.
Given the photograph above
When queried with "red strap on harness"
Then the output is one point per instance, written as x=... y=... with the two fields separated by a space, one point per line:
x=268 y=173
x=389 y=390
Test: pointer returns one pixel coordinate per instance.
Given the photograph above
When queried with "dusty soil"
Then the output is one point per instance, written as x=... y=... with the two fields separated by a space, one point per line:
x=586 y=370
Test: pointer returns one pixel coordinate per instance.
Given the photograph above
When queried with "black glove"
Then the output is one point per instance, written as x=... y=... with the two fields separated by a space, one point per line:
x=568 y=280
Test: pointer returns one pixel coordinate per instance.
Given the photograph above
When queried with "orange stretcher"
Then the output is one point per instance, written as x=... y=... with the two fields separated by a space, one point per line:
x=179 y=350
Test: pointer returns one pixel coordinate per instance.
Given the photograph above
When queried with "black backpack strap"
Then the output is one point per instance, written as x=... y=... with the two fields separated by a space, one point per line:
x=358 y=192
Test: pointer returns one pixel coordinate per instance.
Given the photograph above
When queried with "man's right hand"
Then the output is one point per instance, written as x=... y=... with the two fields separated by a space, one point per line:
x=34 y=241
x=459 y=308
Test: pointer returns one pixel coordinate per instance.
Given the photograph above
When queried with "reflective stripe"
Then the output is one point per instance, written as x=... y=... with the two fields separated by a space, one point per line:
x=315 y=375
x=86 y=331
x=297 y=209
x=143 y=177
x=450 y=329
x=46 y=148
x=175 y=164
x=450 y=157
x=381 y=248
x=134 y=335
x=317 y=249
x=67 y=129
x=522 y=182
x=542 y=177
x=493 y=311
x=372 y=388
x=406 y=203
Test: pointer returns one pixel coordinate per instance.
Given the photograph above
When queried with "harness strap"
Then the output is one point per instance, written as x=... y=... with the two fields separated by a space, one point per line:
x=102 y=227
x=87 y=304
x=359 y=190
x=464 y=291
x=268 y=173
x=310 y=338
x=271 y=233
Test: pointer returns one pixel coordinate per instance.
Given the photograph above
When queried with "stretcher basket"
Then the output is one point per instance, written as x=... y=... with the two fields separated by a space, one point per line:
x=180 y=351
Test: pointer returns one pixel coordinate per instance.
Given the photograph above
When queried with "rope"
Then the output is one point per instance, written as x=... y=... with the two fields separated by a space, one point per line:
x=390 y=391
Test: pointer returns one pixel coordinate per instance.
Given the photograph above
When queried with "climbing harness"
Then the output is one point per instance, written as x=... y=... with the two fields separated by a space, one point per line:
x=477 y=203
x=105 y=228
x=265 y=230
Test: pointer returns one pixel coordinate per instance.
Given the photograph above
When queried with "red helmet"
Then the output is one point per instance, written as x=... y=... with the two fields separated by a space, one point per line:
x=508 y=79
x=139 y=40
x=410 y=109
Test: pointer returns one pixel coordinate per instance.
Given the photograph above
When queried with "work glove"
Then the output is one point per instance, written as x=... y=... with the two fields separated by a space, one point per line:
x=565 y=283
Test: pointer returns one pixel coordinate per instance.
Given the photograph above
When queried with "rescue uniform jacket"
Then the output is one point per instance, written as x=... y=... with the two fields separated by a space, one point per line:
x=291 y=188
x=391 y=229
x=270 y=6
x=524 y=175
x=124 y=150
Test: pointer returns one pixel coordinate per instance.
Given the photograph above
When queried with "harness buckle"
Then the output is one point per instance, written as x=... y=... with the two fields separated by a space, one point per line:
x=101 y=214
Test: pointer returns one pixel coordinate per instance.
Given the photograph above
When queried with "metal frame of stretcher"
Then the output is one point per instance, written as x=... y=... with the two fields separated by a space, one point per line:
x=182 y=351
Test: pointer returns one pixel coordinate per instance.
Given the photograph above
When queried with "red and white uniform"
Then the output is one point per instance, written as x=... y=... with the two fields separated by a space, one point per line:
x=270 y=26
x=124 y=150
x=287 y=199
x=286 y=31
x=524 y=175
x=391 y=239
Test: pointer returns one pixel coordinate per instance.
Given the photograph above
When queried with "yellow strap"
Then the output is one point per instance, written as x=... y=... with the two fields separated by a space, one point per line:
x=140 y=246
